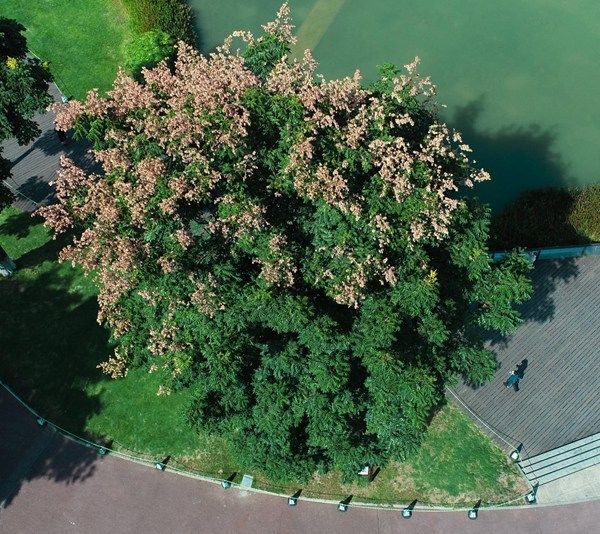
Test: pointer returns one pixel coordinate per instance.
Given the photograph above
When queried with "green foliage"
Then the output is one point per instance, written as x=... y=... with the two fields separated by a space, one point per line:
x=147 y=50
x=23 y=92
x=173 y=17
x=548 y=217
x=290 y=250
x=263 y=55
x=66 y=387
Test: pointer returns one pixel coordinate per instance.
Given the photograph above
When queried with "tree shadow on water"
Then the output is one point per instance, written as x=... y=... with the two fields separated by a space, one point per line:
x=517 y=157
x=50 y=345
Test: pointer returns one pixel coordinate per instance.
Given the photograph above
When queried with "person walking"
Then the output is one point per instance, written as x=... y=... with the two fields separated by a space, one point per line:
x=513 y=380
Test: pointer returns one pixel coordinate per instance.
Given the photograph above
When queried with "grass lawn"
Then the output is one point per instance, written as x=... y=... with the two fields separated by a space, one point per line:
x=82 y=39
x=50 y=345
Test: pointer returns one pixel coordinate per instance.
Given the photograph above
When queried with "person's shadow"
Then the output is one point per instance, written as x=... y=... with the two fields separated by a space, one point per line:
x=520 y=370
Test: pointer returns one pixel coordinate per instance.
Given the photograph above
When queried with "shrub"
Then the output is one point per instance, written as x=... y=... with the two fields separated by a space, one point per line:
x=147 y=50
x=585 y=215
x=548 y=217
x=170 y=16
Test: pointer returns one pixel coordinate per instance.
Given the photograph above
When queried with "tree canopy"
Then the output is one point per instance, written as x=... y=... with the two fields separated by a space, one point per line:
x=23 y=92
x=297 y=251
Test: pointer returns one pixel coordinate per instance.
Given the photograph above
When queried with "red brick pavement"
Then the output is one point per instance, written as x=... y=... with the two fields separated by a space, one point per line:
x=67 y=487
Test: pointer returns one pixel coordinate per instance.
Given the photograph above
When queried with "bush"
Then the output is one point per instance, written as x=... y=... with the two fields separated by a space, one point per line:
x=548 y=217
x=585 y=215
x=147 y=50
x=170 y=16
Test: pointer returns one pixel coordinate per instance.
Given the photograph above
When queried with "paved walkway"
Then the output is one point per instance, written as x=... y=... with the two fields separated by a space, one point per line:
x=558 y=348
x=35 y=164
x=52 y=485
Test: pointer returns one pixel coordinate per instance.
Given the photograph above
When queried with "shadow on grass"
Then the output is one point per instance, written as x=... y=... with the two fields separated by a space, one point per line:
x=18 y=225
x=50 y=345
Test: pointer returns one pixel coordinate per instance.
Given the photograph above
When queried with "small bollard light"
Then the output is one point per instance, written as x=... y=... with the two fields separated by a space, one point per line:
x=160 y=466
x=101 y=451
x=472 y=514
x=225 y=484
x=292 y=501
x=407 y=513
x=531 y=497
x=342 y=507
x=41 y=421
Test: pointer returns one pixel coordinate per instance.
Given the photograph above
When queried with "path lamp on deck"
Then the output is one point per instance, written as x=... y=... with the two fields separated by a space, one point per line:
x=516 y=454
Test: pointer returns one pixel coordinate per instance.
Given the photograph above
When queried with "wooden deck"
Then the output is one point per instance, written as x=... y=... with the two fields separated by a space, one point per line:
x=35 y=164
x=558 y=400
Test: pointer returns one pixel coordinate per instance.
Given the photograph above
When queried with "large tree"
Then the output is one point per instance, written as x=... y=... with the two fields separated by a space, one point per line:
x=23 y=93
x=295 y=250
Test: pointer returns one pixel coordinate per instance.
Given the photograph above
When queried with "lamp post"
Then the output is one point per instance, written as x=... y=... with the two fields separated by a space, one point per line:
x=515 y=455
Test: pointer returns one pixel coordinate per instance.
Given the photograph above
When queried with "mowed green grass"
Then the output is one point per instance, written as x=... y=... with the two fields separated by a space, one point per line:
x=50 y=346
x=82 y=39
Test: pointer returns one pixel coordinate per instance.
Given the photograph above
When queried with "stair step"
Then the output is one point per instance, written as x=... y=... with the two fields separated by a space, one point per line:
x=573 y=468
x=562 y=461
x=554 y=462
x=564 y=448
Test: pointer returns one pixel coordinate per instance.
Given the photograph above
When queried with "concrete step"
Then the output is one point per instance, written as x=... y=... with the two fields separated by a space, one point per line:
x=562 y=461
x=564 y=451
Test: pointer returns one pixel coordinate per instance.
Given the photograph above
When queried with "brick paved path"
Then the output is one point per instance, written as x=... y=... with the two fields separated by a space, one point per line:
x=53 y=485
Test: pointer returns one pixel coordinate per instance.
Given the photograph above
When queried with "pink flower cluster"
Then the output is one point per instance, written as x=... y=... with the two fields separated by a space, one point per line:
x=196 y=117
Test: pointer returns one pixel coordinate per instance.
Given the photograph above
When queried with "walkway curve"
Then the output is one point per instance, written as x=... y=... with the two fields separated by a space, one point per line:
x=60 y=486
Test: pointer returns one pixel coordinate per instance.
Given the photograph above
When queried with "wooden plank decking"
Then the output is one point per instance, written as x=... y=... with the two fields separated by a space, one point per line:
x=35 y=165
x=559 y=396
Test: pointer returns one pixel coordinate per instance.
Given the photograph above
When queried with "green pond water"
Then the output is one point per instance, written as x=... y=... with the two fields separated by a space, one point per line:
x=520 y=78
